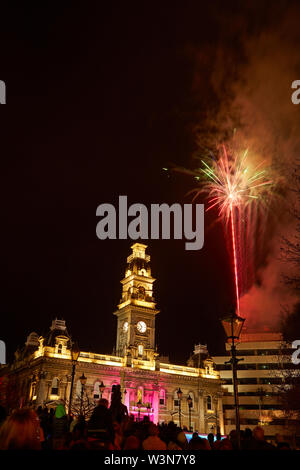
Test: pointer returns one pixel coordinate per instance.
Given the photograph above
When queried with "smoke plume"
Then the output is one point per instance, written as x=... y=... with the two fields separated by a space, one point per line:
x=250 y=81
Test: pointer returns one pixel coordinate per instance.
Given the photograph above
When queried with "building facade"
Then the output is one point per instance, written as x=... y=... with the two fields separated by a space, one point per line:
x=264 y=368
x=41 y=372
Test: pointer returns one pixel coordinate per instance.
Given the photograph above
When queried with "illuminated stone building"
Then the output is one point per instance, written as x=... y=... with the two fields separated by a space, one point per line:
x=266 y=364
x=41 y=372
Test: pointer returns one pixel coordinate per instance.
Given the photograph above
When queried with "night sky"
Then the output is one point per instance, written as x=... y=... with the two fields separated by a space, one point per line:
x=100 y=97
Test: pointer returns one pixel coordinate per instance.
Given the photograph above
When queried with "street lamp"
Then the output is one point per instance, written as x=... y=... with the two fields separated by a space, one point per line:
x=190 y=403
x=179 y=394
x=75 y=355
x=233 y=325
x=83 y=380
x=101 y=389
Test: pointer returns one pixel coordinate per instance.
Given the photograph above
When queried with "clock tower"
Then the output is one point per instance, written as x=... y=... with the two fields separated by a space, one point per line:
x=136 y=310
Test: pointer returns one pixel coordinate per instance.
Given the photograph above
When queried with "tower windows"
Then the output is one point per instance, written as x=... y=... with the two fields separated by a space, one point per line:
x=141 y=292
x=140 y=349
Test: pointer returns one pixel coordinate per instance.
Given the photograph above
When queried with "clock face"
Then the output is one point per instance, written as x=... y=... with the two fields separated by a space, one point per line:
x=141 y=326
x=125 y=326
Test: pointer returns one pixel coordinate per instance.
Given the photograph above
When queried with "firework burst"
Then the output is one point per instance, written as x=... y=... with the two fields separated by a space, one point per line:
x=234 y=187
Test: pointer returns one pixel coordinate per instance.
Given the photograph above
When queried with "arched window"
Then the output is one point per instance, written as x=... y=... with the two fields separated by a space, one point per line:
x=141 y=292
x=162 y=397
x=59 y=348
x=208 y=402
x=140 y=349
x=54 y=386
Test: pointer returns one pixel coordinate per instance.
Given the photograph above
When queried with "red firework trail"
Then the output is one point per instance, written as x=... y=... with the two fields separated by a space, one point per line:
x=233 y=185
x=235 y=262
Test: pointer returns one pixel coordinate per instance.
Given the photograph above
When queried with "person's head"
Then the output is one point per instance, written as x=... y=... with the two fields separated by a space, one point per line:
x=225 y=445
x=258 y=434
x=196 y=444
x=153 y=429
x=21 y=430
x=248 y=433
x=204 y=445
x=181 y=439
x=211 y=438
x=131 y=443
x=195 y=435
x=103 y=402
x=278 y=438
x=219 y=437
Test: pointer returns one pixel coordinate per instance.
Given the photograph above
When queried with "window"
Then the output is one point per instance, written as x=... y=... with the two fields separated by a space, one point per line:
x=208 y=402
x=54 y=386
x=96 y=392
x=140 y=349
x=175 y=399
x=270 y=381
x=59 y=349
x=246 y=381
x=162 y=397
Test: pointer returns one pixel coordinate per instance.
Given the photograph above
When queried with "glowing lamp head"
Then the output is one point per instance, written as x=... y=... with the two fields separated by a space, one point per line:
x=190 y=401
x=83 y=379
x=101 y=387
x=232 y=325
x=75 y=352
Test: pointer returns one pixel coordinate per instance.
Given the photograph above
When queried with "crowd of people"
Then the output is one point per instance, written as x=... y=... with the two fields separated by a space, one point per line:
x=110 y=428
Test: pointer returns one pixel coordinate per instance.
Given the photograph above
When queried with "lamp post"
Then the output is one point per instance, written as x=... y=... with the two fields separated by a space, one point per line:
x=75 y=355
x=101 y=389
x=190 y=404
x=83 y=380
x=179 y=394
x=233 y=325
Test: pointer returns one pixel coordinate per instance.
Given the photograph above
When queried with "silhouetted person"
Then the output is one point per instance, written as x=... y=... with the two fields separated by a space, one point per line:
x=100 y=425
x=118 y=410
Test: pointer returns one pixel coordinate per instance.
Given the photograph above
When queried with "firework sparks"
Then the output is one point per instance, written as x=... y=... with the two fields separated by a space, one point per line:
x=232 y=185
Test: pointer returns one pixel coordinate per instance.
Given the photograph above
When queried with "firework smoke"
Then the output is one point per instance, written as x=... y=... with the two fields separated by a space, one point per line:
x=255 y=98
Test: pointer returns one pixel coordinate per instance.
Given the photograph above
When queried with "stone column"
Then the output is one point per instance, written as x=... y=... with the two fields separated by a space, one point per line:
x=68 y=388
x=201 y=412
x=155 y=404
x=41 y=392
x=220 y=415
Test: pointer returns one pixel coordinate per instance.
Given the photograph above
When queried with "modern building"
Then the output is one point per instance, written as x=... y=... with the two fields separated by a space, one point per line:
x=41 y=371
x=262 y=371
